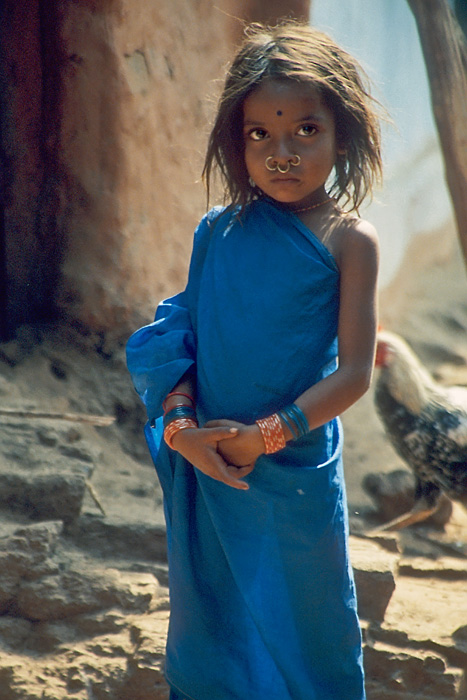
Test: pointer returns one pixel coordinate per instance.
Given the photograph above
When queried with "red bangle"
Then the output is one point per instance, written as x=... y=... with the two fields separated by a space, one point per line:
x=176 y=425
x=176 y=393
x=272 y=433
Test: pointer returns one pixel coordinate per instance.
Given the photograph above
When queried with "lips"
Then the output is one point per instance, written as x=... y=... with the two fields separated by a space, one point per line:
x=285 y=179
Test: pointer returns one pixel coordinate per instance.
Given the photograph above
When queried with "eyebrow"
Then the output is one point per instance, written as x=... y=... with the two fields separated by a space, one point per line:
x=311 y=118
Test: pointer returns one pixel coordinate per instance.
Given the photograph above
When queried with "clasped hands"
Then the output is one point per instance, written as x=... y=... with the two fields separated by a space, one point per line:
x=225 y=450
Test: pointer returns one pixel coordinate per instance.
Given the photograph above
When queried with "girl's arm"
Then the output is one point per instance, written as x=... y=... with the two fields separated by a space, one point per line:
x=199 y=445
x=357 y=256
x=160 y=357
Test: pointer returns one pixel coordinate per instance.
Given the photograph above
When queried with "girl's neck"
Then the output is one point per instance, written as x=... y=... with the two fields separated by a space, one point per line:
x=302 y=209
x=315 y=200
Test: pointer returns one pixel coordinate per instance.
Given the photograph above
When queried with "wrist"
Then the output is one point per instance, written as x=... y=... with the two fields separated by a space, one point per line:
x=177 y=426
x=272 y=433
x=256 y=439
x=178 y=440
x=179 y=414
x=288 y=434
x=179 y=411
x=294 y=422
x=177 y=398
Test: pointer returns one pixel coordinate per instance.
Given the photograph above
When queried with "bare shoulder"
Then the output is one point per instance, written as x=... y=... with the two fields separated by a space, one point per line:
x=355 y=228
x=355 y=238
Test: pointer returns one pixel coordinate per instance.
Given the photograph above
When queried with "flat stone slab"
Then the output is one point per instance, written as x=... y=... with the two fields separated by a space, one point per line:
x=448 y=568
x=375 y=571
x=428 y=613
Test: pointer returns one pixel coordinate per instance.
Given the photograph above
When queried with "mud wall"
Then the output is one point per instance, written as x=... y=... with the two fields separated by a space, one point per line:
x=135 y=118
x=114 y=99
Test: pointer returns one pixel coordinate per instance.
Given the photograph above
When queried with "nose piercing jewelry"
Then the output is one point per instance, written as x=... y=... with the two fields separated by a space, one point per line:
x=283 y=170
x=268 y=165
x=272 y=164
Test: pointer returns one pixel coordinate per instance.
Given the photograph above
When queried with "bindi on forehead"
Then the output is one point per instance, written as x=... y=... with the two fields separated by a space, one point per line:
x=279 y=113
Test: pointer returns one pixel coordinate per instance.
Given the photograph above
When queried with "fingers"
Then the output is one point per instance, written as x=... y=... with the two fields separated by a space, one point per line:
x=229 y=475
x=221 y=433
x=213 y=424
x=199 y=446
x=236 y=484
x=240 y=472
x=223 y=423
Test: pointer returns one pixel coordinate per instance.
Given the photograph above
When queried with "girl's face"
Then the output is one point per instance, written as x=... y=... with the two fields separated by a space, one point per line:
x=282 y=120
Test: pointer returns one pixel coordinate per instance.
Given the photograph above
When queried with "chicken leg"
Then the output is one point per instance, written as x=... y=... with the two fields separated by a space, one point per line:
x=427 y=501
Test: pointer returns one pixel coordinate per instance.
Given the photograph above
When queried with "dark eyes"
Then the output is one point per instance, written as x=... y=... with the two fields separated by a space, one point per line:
x=258 y=134
x=307 y=130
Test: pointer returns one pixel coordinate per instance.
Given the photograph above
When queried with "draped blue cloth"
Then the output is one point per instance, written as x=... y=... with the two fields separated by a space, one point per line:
x=262 y=595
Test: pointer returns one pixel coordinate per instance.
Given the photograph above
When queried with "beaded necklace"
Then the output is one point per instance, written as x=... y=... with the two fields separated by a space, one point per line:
x=313 y=206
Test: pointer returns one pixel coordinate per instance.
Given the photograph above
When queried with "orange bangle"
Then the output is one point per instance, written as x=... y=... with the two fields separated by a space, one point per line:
x=272 y=433
x=176 y=425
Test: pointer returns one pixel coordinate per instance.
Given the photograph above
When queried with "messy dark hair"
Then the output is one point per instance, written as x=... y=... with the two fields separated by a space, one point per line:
x=294 y=51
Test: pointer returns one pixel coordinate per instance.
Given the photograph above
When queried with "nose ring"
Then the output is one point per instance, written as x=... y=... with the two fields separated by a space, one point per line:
x=272 y=164
x=268 y=165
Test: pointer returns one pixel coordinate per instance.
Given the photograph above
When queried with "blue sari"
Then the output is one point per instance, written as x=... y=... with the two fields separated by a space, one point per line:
x=262 y=594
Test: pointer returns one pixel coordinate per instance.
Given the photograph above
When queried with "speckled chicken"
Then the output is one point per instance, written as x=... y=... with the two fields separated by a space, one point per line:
x=426 y=424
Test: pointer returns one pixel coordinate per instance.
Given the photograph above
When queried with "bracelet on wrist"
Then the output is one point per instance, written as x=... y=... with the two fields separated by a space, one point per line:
x=177 y=393
x=290 y=424
x=181 y=411
x=295 y=420
x=175 y=426
x=272 y=433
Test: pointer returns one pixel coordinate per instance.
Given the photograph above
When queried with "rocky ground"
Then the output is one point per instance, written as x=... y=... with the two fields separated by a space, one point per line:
x=83 y=580
x=83 y=577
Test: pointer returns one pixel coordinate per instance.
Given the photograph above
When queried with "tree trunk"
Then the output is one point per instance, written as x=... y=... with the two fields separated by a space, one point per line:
x=445 y=50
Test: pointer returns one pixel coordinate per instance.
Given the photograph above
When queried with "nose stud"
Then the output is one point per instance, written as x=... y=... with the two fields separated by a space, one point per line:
x=272 y=164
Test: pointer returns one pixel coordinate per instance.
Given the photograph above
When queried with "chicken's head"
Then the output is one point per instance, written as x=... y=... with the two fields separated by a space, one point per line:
x=406 y=379
x=381 y=353
x=388 y=346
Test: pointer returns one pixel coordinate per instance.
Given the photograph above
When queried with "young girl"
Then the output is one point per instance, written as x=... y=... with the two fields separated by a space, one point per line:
x=243 y=363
